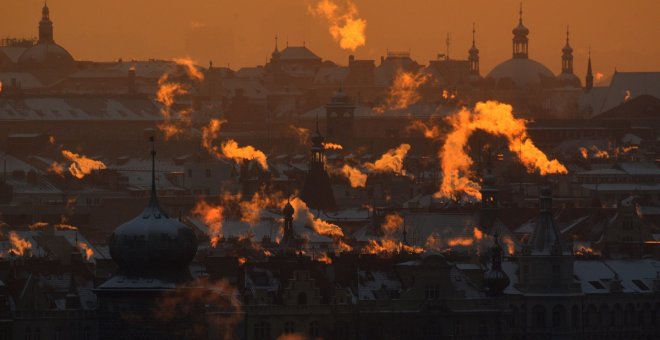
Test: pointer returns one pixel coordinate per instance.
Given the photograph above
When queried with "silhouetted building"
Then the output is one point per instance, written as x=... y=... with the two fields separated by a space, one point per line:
x=317 y=192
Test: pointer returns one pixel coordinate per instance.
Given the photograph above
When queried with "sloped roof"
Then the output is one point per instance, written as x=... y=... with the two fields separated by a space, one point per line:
x=298 y=53
x=78 y=108
x=642 y=107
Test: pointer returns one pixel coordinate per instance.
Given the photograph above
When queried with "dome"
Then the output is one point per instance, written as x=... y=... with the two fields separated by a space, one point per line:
x=569 y=79
x=520 y=30
x=496 y=281
x=153 y=242
x=522 y=71
x=46 y=54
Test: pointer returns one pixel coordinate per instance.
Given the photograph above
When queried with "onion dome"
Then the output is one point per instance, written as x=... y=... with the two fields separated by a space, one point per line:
x=153 y=242
x=520 y=31
x=495 y=279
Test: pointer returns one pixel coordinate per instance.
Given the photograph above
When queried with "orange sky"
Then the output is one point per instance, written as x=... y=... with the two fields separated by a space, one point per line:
x=622 y=34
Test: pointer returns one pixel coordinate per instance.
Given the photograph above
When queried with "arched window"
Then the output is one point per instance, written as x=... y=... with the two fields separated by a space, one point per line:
x=558 y=316
x=302 y=298
x=575 y=317
x=538 y=317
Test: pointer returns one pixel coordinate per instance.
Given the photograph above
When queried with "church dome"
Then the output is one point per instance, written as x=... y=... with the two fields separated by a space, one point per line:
x=152 y=241
x=522 y=71
x=46 y=54
x=569 y=80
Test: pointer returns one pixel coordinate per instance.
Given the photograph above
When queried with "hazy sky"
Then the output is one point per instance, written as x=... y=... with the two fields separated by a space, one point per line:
x=621 y=33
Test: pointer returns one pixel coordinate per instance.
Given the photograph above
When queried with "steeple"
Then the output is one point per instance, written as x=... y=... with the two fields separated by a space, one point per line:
x=546 y=238
x=520 y=41
x=473 y=55
x=45 y=26
x=567 y=56
x=589 y=81
x=489 y=198
x=317 y=192
x=154 y=207
x=288 y=236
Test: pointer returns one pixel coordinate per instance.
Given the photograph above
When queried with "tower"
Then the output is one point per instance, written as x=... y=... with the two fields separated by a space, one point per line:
x=317 y=192
x=567 y=56
x=45 y=26
x=340 y=118
x=473 y=56
x=589 y=79
x=546 y=263
x=288 y=236
x=489 y=203
x=520 y=40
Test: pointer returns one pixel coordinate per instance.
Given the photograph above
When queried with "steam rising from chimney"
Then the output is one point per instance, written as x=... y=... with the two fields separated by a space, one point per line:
x=346 y=27
x=497 y=119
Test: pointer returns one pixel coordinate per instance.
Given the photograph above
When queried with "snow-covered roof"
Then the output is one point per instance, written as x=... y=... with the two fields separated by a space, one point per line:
x=69 y=108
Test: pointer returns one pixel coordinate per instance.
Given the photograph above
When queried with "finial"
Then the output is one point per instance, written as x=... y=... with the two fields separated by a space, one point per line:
x=276 y=41
x=567 y=34
x=473 y=32
x=520 y=20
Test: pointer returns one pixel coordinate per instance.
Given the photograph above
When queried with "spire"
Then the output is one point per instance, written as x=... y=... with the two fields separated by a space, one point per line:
x=154 y=207
x=45 y=26
x=546 y=238
x=567 y=56
x=589 y=81
x=473 y=55
x=520 y=40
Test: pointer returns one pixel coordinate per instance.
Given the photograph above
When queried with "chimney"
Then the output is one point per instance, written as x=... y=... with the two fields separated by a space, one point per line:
x=131 y=80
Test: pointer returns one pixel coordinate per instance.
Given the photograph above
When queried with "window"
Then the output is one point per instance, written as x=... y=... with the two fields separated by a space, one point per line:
x=538 y=317
x=458 y=327
x=314 y=329
x=262 y=330
x=558 y=316
x=640 y=284
x=302 y=298
x=432 y=291
x=483 y=328
x=289 y=327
